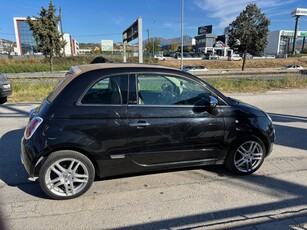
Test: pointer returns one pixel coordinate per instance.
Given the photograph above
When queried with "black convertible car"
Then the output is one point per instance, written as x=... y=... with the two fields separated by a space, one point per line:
x=107 y=120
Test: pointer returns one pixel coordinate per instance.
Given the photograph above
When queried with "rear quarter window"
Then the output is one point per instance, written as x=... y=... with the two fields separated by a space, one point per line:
x=57 y=90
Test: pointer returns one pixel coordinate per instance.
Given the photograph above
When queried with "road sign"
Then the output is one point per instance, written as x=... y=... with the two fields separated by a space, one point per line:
x=106 y=45
x=299 y=12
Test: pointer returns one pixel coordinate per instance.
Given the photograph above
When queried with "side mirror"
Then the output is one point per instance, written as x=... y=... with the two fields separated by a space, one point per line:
x=213 y=102
x=208 y=104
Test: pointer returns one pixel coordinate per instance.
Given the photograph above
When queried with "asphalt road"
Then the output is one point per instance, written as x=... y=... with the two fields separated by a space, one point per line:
x=248 y=73
x=275 y=197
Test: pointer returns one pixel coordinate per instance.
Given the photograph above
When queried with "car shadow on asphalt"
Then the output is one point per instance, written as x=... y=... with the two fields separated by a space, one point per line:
x=12 y=171
x=290 y=136
x=12 y=111
x=269 y=215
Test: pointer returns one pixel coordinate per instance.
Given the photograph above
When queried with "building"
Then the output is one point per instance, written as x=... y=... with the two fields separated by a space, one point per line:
x=24 y=38
x=75 y=47
x=26 y=43
x=210 y=43
x=280 y=42
x=204 y=43
x=72 y=46
x=6 y=46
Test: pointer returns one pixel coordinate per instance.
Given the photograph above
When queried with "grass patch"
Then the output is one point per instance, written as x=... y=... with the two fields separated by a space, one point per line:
x=245 y=85
x=63 y=63
x=36 y=90
x=31 y=90
x=31 y=65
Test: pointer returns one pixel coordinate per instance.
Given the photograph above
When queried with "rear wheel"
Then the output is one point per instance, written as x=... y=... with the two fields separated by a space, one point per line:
x=247 y=156
x=66 y=174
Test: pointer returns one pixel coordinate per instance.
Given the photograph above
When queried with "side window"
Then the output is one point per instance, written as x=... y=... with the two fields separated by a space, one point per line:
x=169 y=90
x=109 y=91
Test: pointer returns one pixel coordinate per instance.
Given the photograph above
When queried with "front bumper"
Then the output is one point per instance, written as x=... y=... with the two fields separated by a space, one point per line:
x=5 y=90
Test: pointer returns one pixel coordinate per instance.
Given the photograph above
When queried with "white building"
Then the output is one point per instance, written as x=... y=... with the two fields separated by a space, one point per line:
x=6 y=46
x=280 y=41
x=72 y=46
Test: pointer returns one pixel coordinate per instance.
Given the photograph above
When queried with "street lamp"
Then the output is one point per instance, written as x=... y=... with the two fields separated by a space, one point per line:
x=182 y=11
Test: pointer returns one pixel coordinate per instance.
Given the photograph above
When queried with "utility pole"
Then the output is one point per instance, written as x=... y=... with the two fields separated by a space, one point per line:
x=148 y=42
x=61 y=24
x=61 y=30
x=182 y=11
x=297 y=20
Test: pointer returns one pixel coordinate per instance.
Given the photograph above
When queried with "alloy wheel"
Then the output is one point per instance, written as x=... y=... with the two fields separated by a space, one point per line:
x=66 y=177
x=248 y=156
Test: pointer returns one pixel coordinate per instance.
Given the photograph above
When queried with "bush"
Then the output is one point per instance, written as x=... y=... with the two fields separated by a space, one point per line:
x=100 y=59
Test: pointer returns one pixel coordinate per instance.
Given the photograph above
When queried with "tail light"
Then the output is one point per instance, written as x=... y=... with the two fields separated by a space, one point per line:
x=32 y=126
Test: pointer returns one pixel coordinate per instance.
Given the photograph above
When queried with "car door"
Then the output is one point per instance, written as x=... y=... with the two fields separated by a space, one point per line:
x=166 y=126
x=102 y=116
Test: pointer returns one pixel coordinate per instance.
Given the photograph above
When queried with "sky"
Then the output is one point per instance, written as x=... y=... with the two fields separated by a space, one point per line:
x=96 y=20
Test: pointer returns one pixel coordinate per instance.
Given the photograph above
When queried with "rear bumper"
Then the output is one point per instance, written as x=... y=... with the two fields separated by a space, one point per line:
x=26 y=160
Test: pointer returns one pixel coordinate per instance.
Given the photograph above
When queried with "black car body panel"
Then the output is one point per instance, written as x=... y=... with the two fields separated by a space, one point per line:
x=130 y=137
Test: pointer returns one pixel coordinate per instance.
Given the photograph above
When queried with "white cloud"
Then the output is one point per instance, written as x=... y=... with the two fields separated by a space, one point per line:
x=118 y=21
x=227 y=10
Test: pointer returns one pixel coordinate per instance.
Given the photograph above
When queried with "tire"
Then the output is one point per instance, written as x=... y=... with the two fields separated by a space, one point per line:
x=246 y=157
x=3 y=100
x=66 y=174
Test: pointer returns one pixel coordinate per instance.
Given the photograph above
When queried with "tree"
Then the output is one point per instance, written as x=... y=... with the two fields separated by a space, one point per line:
x=249 y=32
x=174 y=47
x=189 y=48
x=153 y=45
x=45 y=31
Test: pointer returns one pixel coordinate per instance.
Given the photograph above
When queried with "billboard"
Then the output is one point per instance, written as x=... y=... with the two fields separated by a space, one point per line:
x=287 y=33
x=299 y=12
x=205 y=29
x=132 y=32
x=106 y=45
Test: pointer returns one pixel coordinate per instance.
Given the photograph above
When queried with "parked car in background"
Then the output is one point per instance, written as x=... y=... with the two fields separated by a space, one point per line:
x=211 y=56
x=195 y=70
x=106 y=120
x=292 y=67
x=160 y=57
x=185 y=55
x=5 y=88
x=249 y=56
x=234 y=57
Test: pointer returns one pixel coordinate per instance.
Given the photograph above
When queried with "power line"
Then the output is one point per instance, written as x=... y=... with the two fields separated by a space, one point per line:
x=96 y=35
x=8 y=34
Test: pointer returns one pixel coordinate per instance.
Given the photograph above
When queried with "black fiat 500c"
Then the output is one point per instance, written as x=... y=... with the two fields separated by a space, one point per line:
x=106 y=120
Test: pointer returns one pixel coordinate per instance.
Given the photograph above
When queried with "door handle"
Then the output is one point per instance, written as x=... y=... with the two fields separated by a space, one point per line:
x=139 y=124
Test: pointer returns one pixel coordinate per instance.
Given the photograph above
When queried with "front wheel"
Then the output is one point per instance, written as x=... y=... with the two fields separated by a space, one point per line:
x=247 y=156
x=3 y=100
x=66 y=174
